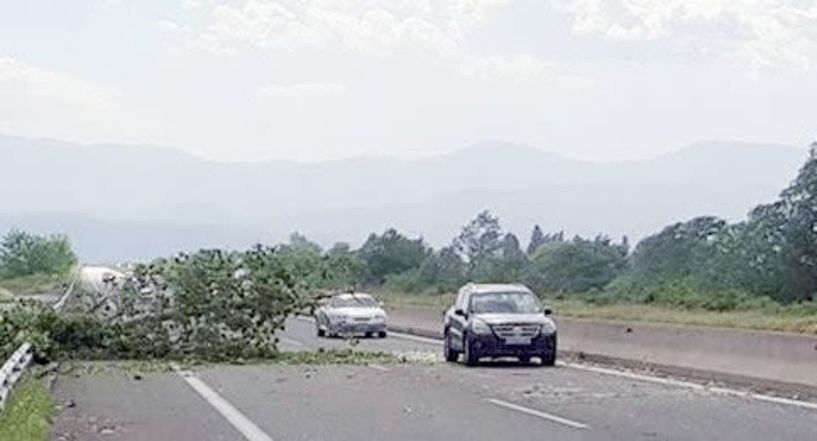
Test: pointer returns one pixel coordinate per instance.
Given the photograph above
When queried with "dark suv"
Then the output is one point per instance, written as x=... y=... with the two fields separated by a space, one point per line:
x=499 y=321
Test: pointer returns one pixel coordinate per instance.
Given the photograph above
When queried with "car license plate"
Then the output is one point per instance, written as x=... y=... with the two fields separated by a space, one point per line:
x=517 y=341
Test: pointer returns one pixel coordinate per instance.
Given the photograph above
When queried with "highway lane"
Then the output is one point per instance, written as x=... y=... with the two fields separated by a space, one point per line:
x=110 y=403
x=430 y=400
x=613 y=407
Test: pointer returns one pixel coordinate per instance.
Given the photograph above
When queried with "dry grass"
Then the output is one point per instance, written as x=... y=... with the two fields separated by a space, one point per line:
x=781 y=321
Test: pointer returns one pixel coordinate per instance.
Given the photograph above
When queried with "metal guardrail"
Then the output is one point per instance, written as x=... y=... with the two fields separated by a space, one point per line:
x=16 y=365
x=13 y=369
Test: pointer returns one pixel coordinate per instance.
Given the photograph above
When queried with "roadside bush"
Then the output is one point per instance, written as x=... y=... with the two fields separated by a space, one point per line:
x=682 y=293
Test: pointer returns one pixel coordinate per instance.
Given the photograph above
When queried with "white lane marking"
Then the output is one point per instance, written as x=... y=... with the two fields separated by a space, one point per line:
x=241 y=423
x=654 y=380
x=426 y=340
x=786 y=401
x=289 y=341
x=378 y=367
x=632 y=376
x=538 y=413
x=693 y=386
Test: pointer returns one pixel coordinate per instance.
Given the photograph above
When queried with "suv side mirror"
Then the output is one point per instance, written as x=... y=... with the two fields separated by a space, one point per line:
x=460 y=313
x=548 y=311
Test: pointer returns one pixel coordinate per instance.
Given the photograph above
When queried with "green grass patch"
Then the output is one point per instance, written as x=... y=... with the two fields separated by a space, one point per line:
x=35 y=284
x=761 y=319
x=27 y=416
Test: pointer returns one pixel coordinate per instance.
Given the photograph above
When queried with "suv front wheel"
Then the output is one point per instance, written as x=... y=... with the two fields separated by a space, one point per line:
x=471 y=359
x=451 y=355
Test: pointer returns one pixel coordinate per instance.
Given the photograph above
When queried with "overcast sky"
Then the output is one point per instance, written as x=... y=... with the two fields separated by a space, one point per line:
x=319 y=79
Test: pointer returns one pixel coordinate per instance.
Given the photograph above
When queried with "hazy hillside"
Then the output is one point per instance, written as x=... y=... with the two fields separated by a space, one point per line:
x=140 y=201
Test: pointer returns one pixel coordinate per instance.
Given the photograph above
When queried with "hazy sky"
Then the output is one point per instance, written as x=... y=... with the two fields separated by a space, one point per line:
x=318 y=79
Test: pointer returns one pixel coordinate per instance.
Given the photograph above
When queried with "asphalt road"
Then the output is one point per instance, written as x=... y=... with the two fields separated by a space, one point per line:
x=428 y=400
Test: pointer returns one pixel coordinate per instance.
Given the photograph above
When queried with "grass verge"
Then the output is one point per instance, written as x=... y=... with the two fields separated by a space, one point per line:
x=761 y=320
x=35 y=284
x=27 y=417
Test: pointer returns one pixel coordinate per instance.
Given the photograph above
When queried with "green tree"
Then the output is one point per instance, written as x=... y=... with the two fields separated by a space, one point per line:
x=344 y=266
x=23 y=254
x=682 y=250
x=299 y=242
x=537 y=239
x=442 y=271
x=576 y=266
x=480 y=239
x=389 y=254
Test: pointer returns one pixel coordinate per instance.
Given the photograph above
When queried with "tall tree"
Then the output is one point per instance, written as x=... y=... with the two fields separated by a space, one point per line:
x=537 y=239
x=391 y=253
x=511 y=249
x=480 y=239
x=299 y=242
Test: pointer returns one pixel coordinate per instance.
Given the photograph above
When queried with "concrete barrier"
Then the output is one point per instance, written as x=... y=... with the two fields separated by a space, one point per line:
x=779 y=360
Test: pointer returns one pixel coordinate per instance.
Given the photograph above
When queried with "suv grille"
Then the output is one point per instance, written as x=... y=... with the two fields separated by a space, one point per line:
x=521 y=330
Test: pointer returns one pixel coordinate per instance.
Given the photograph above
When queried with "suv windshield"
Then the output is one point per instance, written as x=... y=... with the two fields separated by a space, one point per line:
x=351 y=302
x=505 y=303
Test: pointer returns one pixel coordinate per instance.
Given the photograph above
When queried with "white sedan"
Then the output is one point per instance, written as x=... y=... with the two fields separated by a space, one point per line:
x=348 y=314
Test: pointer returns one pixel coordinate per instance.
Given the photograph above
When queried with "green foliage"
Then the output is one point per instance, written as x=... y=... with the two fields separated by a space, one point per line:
x=345 y=269
x=679 y=251
x=24 y=254
x=28 y=321
x=685 y=294
x=772 y=254
x=480 y=239
x=576 y=266
x=210 y=305
x=539 y=239
x=390 y=254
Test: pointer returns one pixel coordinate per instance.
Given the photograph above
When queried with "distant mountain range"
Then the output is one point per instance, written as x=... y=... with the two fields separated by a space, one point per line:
x=137 y=202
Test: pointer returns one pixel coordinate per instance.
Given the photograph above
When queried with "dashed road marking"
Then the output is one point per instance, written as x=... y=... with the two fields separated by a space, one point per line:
x=378 y=367
x=538 y=413
x=693 y=386
x=651 y=379
x=240 y=422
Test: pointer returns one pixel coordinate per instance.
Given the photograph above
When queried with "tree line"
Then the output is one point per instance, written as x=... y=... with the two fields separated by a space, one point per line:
x=705 y=262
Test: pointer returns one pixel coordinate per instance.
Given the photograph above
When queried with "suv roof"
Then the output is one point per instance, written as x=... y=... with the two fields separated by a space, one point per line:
x=496 y=287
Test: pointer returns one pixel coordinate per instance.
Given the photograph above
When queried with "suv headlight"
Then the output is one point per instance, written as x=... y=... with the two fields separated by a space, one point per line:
x=480 y=327
x=379 y=318
x=548 y=328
